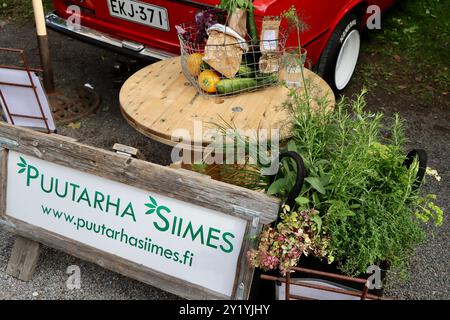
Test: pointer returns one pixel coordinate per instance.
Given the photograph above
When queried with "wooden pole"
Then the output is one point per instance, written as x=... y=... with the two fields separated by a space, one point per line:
x=44 y=50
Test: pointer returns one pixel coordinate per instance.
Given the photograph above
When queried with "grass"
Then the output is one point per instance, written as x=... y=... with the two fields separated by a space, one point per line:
x=20 y=10
x=414 y=46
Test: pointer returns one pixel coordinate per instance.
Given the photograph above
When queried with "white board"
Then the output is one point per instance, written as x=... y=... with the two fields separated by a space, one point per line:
x=22 y=100
x=137 y=225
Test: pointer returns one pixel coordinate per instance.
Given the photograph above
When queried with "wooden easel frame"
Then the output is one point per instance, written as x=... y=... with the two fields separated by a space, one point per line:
x=256 y=208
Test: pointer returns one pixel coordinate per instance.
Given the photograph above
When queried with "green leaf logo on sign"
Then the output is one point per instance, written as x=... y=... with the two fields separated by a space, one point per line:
x=23 y=165
x=153 y=206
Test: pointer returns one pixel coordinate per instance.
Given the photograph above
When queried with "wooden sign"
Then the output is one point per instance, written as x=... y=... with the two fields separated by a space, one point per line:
x=179 y=232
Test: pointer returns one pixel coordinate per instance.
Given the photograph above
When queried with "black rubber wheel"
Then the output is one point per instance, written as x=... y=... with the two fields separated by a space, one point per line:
x=346 y=31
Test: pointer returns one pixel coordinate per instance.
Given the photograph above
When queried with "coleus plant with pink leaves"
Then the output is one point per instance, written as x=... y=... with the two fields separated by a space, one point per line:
x=281 y=246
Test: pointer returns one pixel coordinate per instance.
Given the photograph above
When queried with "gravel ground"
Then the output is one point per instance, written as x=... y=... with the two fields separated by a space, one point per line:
x=76 y=63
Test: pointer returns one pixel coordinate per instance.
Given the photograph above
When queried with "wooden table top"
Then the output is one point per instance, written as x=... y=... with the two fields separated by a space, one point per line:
x=159 y=102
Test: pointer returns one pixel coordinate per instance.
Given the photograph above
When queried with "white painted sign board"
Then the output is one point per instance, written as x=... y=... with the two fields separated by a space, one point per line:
x=22 y=100
x=183 y=240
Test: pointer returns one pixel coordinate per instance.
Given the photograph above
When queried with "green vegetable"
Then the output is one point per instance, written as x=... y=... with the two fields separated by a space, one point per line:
x=266 y=79
x=246 y=72
x=251 y=26
x=230 y=86
x=232 y=5
x=204 y=66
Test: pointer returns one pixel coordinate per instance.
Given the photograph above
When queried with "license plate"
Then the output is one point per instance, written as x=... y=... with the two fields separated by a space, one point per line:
x=143 y=13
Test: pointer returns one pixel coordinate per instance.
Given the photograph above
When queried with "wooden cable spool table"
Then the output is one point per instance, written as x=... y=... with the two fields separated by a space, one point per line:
x=159 y=102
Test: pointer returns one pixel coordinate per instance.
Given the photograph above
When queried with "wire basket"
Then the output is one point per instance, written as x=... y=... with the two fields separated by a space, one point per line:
x=248 y=79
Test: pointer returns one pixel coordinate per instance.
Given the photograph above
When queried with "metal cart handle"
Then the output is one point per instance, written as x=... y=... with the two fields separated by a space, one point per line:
x=300 y=175
x=423 y=158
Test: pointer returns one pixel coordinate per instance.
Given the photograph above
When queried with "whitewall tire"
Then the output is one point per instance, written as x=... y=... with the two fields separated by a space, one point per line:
x=340 y=56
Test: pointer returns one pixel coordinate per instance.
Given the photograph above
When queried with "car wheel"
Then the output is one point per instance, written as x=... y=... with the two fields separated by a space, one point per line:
x=338 y=61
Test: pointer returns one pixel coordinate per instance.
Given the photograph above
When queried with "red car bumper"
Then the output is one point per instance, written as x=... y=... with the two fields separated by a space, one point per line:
x=102 y=26
x=108 y=41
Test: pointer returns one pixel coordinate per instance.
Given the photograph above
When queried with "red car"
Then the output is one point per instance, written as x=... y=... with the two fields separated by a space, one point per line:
x=146 y=28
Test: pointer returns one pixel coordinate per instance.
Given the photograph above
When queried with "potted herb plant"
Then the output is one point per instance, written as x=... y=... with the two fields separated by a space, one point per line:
x=361 y=194
x=369 y=206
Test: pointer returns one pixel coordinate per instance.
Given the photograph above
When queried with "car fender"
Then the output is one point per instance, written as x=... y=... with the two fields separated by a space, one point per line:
x=348 y=8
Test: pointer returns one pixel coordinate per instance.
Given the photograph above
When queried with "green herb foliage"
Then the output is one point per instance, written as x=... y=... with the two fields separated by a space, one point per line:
x=357 y=181
x=232 y=5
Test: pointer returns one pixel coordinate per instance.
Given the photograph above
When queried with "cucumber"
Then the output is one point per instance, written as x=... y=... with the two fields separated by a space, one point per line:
x=229 y=86
x=251 y=26
x=245 y=72
x=267 y=79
